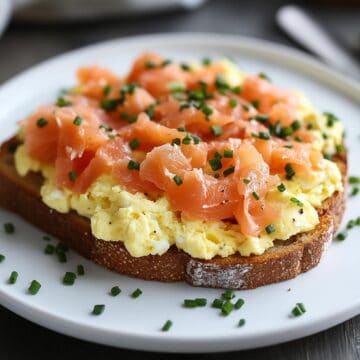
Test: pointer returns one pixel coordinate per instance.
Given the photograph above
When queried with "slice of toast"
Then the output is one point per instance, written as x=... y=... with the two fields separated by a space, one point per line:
x=284 y=261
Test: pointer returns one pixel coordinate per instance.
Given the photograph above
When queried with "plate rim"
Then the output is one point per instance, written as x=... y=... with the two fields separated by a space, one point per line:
x=159 y=341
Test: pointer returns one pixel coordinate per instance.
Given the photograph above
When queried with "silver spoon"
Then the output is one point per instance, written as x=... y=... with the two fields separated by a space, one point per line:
x=303 y=29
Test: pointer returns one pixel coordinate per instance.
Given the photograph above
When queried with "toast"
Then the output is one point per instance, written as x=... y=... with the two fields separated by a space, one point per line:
x=285 y=260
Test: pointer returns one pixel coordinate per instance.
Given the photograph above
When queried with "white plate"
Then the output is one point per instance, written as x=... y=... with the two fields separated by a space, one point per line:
x=331 y=292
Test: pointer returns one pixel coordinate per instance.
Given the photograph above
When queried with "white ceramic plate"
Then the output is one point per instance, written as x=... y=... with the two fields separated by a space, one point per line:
x=331 y=292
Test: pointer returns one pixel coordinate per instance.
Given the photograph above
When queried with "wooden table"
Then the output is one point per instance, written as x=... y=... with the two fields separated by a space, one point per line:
x=24 y=45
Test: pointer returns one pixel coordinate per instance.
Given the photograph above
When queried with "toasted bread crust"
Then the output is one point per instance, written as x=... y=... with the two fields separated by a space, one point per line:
x=283 y=261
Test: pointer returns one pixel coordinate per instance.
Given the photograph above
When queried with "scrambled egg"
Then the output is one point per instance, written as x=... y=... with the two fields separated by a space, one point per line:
x=151 y=227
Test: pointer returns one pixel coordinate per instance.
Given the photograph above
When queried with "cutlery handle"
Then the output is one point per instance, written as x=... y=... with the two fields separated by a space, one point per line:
x=302 y=28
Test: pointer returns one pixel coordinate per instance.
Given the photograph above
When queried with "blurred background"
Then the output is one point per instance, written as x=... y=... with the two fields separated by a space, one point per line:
x=34 y=30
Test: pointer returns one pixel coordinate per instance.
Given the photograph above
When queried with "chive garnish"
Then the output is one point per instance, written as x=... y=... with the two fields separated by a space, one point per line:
x=132 y=119
x=227 y=307
x=61 y=102
x=255 y=195
x=13 y=278
x=228 y=153
x=245 y=107
x=134 y=143
x=262 y=118
x=281 y=187
x=80 y=270
x=298 y=310
x=350 y=224
x=167 y=326
x=339 y=148
x=150 y=110
x=189 y=303
x=290 y=172
x=181 y=129
x=216 y=130
x=109 y=104
x=185 y=67
x=261 y=135
x=149 y=64
x=78 y=121
x=136 y=293
x=217 y=303
x=255 y=104
x=49 y=249
x=296 y=201
x=206 y=61
x=296 y=125
x=270 y=229
x=98 y=309
x=330 y=119
x=187 y=139
x=229 y=171
x=201 y=301
x=34 y=287
x=69 y=278
x=2 y=258
x=115 y=291
x=241 y=322
x=9 y=228
x=72 y=175
x=215 y=164
x=341 y=236
x=246 y=181
x=107 y=90
x=354 y=191
x=42 y=122
x=354 y=180
x=61 y=256
x=228 y=295
x=176 y=141
x=178 y=180
x=262 y=75
x=233 y=103
x=133 y=165
x=239 y=303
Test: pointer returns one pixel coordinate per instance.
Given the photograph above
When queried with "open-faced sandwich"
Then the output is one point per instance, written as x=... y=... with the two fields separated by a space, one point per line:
x=181 y=171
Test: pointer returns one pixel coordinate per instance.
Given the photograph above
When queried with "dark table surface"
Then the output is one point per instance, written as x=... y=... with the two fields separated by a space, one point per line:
x=25 y=44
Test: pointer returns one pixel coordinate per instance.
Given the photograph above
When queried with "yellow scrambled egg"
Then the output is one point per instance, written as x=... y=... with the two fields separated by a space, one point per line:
x=151 y=227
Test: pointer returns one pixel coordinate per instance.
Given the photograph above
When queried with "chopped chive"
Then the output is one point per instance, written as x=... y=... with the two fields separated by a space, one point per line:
x=34 y=287
x=69 y=278
x=42 y=122
x=176 y=86
x=261 y=135
x=136 y=293
x=354 y=191
x=216 y=130
x=72 y=175
x=233 y=103
x=124 y=115
x=2 y=258
x=216 y=175
x=49 y=249
x=255 y=195
x=176 y=141
x=229 y=171
x=61 y=102
x=350 y=224
x=78 y=121
x=241 y=322
x=296 y=125
x=228 y=295
x=255 y=104
x=9 y=228
x=327 y=156
x=239 y=303
x=206 y=61
x=181 y=129
x=290 y=172
x=187 y=139
x=190 y=303
x=325 y=136
x=215 y=164
x=13 y=278
x=80 y=270
x=98 y=309
x=149 y=64
x=185 y=67
x=357 y=221
x=339 y=148
x=298 y=310
x=115 y=291
x=217 y=303
x=227 y=307
x=330 y=119
x=109 y=104
x=201 y=301
x=246 y=181
x=107 y=90
x=132 y=119
x=309 y=126
x=236 y=89
x=281 y=187
x=270 y=229
x=262 y=75
x=262 y=118
x=228 y=153
x=178 y=180
x=245 y=107
x=61 y=256
x=298 y=138
x=134 y=143
x=341 y=236
x=354 y=180
x=296 y=201
x=133 y=165
x=167 y=326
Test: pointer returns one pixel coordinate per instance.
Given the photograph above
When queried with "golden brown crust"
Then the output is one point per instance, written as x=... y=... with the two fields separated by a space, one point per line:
x=284 y=261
